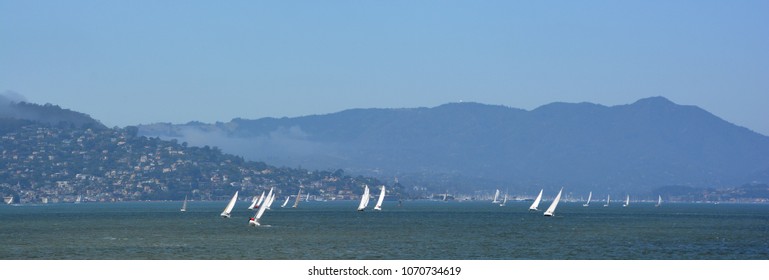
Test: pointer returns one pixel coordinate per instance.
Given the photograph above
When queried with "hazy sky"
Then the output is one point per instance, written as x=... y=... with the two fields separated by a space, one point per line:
x=139 y=62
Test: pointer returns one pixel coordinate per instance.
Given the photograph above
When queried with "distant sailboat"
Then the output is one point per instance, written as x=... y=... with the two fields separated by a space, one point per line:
x=364 y=199
x=551 y=209
x=496 y=197
x=256 y=201
x=79 y=199
x=627 y=201
x=271 y=201
x=381 y=199
x=298 y=197
x=659 y=201
x=228 y=209
x=534 y=205
x=446 y=196
x=255 y=220
x=608 y=199
x=589 y=196
x=270 y=198
x=184 y=205
x=8 y=199
x=285 y=202
x=504 y=200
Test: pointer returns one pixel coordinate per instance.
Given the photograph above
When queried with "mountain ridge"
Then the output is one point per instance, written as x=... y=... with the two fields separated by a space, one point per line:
x=626 y=148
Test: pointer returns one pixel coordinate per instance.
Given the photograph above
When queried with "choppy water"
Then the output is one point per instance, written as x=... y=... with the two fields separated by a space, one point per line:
x=419 y=230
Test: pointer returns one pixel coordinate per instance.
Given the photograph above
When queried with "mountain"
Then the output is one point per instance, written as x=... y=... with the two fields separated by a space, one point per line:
x=632 y=148
x=48 y=113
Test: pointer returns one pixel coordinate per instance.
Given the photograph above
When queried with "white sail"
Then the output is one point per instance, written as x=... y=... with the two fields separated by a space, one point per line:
x=534 y=205
x=589 y=196
x=253 y=203
x=285 y=202
x=504 y=201
x=184 y=205
x=260 y=201
x=496 y=197
x=79 y=199
x=268 y=201
x=381 y=199
x=659 y=201
x=255 y=220
x=446 y=196
x=298 y=197
x=551 y=209
x=627 y=201
x=364 y=199
x=228 y=209
x=608 y=198
x=8 y=199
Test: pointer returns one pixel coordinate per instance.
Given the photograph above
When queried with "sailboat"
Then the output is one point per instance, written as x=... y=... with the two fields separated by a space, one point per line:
x=659 y=201
x=8 y=199
x=551 y=209
x=298 y=197
x=364 y=199
x=256 y=201
x=228 y=209
x=269 y=206
x=534 y=205
x=79 y=199
x=627 y=201
x=270 y=198
x=589 y=196
x=184 y=205
x=381 y=199
x=446 y=196
x=255 y=220
x=608 y=198
x=285 y=202
x=504 y=200
x=496 y=197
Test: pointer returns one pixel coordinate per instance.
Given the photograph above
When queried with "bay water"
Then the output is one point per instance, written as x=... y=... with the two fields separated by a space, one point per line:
x=415 y=230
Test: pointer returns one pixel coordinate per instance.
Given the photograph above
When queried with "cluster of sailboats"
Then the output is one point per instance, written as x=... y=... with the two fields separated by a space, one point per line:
x=550 y=210
x=366 y=196
x=259 y=203
x=496 y=199
x=264 y=202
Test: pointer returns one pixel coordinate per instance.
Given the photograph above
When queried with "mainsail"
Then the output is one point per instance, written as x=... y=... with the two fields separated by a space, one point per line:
x=228 y=209
x=381 y=199
x=364 y=199
x=551 y=209
x=534 y=205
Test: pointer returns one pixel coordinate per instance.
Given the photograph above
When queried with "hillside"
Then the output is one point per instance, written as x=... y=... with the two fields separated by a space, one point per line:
x=44 y=163
x=631 y=148
x=47 y=114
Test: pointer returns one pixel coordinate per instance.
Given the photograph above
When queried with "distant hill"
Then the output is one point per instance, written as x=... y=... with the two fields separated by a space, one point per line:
x=631 y=148
x=48 y=114
x=45 y=163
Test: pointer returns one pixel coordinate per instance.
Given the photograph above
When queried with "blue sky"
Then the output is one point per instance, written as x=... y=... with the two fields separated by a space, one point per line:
x=139 y=62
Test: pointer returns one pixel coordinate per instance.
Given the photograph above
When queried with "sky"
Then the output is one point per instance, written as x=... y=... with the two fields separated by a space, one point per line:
x=141 y=62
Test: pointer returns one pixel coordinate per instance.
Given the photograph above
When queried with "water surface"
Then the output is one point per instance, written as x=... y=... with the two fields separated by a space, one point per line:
x=418 y=230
